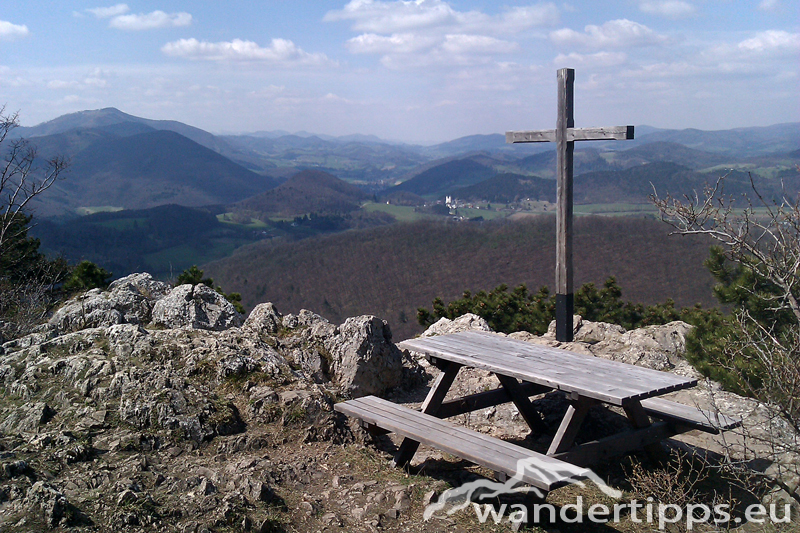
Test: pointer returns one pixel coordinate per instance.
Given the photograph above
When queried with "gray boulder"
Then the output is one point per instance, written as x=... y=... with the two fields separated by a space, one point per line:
x=466 y=322
x=48 y=501
x=658 y=347
x=363 y=359
x=27 y=418
x=195 y=306
x=128 y=300
x=136 y=294
x=264 y=319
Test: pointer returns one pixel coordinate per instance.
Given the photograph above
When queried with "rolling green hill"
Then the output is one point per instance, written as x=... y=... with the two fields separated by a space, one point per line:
x=508 y=188
x=445 y=178
x=115 y=121
x=663 y=151
x=390 y=271
x=636 y=184
x=147 y=169
x=738 y=142
x=632 y=185
x=310 y=191
x=544 y=164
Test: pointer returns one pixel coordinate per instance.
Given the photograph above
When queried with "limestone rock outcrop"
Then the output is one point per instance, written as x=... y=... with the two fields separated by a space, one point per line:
x=197 y=307
x=445 y=326
x=128 y=300
x=364 y=360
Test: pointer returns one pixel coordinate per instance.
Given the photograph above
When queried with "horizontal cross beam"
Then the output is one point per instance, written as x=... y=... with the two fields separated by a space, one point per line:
x=615 y=133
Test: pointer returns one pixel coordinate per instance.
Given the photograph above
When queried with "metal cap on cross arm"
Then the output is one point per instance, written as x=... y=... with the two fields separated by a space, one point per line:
x=565 y=136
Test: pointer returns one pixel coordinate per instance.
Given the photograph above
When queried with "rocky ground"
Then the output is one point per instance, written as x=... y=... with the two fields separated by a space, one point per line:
x=152 y=408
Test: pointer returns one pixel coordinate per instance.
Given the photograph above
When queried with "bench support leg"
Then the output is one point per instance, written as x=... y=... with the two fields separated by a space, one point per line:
x=430 y=406
x=524 y=405
x=570 y=425
x=638 y=417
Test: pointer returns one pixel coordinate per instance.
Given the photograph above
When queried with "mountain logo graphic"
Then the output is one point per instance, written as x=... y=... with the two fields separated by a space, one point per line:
x=456 y=499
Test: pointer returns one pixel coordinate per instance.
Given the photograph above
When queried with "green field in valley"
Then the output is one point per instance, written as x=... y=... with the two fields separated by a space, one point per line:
x=403 y=213
x=91 y=210
x=230 y=218
x=615 y=209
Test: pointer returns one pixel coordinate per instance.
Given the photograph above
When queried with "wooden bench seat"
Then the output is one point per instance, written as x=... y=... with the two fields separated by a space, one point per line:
x=689 y=416
x=496 y=454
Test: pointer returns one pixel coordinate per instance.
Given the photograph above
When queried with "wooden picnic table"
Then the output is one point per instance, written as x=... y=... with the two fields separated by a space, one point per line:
x=525 y=369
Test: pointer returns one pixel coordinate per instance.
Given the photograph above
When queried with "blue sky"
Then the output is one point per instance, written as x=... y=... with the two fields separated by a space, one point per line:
x=418 y=71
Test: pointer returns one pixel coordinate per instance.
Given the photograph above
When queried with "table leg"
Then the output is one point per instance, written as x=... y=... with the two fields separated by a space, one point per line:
x=430 y=406
x=639 y=418
x=570 y=424
x=523 y=403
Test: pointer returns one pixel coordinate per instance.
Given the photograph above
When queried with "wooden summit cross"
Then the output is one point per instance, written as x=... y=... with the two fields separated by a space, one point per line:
x=564 y=135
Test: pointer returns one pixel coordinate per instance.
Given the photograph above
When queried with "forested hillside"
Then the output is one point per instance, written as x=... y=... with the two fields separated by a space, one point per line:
x=393 y=270
x=310 y=191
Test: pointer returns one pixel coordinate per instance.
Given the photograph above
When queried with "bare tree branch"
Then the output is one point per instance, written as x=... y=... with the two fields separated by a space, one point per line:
x=763 y=357
x=21 y=178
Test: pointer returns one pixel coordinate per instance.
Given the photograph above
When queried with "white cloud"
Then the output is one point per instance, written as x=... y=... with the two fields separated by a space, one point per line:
x=421 y=33
x=769 y=5
x=772 y=40
x=96 y=79
x=600 y=59
x=387 y=17
x=398 y=43
x=668 y=8
x=61 y=84
x=108 y=12
x=279 y=51
x=408 y=43
x=149 y=21
x=481 y=44
x=521 y=18
x=9 y=31
x=622 y=33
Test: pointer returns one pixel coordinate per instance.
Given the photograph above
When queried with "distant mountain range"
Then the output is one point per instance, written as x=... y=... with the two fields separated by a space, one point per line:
x=739 y=142
x=131 y=162
x=626 y=176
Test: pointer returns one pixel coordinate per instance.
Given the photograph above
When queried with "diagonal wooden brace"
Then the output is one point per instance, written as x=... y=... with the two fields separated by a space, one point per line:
x=430 y=406
x=570 y=424
x=524 y=405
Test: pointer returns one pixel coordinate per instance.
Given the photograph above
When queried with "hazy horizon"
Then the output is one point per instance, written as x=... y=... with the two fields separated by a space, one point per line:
x=421 y=71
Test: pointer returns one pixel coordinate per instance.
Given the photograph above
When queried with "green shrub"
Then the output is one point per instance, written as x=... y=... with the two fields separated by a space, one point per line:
x=194 y=276
x=85 y=276
x=519 y=310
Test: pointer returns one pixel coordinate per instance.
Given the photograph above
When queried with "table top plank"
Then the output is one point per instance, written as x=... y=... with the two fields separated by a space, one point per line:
x=492 y=342
x=628 y=377
x=609 y=381
x=557 y=367
x=562 y=367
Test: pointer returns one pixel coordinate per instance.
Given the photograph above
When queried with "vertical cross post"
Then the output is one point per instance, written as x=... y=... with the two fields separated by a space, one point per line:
x=565 y=136
x=565 y=300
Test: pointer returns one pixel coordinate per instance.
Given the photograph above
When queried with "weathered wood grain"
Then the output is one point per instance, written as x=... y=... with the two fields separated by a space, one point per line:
x=613 y=133
x=498 y=455
x=430 y=406
x=690 y=416
x=483 y=400
x=602 y=379
x=565 y=136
